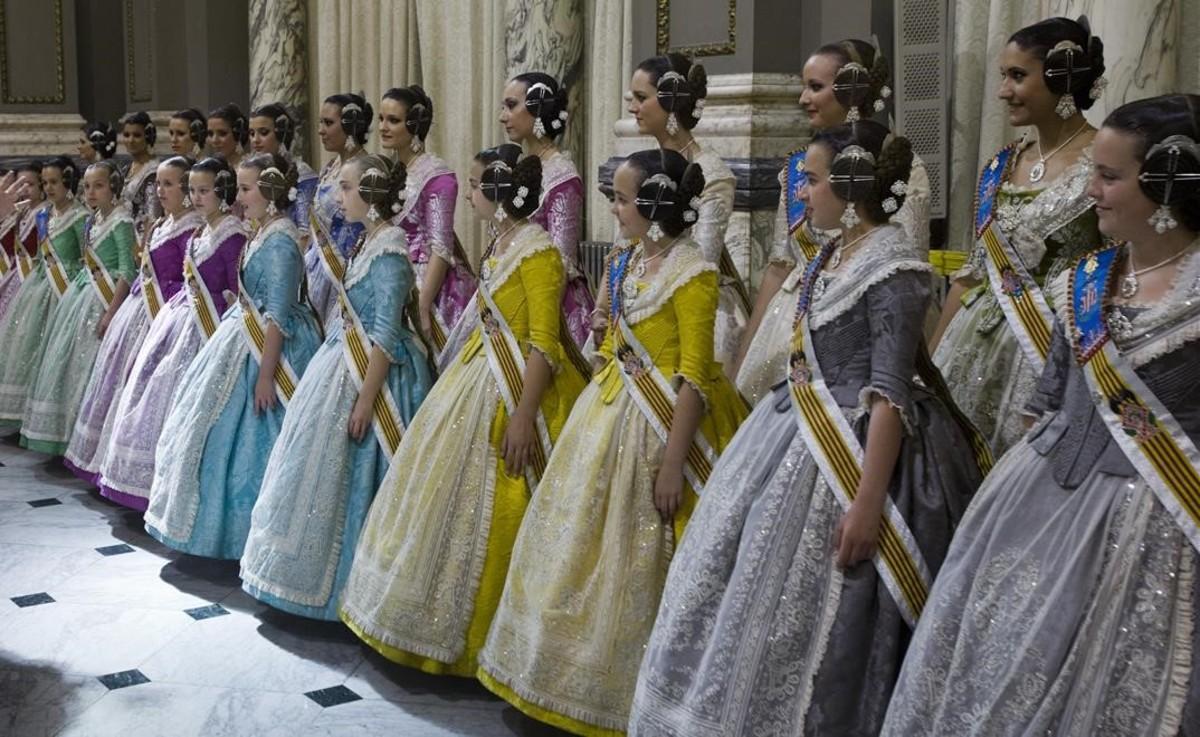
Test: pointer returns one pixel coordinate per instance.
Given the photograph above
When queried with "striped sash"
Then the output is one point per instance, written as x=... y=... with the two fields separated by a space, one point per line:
x=1152 y=439
x=10 y=230
x=508 y=369
x=99 y=277
x=54 y=268
x=335 y=267
x=254 y=328
x=797 y=209
x=1025 y=307
x=387 y=421
x=436 y=332
x=204 y=310
x=728 y=270
x=834 y=446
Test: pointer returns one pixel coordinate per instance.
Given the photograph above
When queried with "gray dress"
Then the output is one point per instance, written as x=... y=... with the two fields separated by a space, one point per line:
x=1066 y=605
x=759 y=632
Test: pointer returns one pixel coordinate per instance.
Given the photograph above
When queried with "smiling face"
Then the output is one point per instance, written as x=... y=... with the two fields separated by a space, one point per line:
x=1023 y=89
x=203 y=194
x=262 y=135
x=643 y=105
x=825 y=208
x=393 y=134
x=221 y=138
x=348 y=197
x=1122 y=208
x=484 y=208
x=254 y=205
x=168 y=184
x=329 y=128
x=514 y=116
x=97 y=192
x=816 y=97
x=626 y=182
x=133 y=137
x=180 y=137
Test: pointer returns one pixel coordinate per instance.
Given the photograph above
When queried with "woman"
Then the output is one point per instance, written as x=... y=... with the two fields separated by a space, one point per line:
x=228 y=408
x=187 y=132
x=85 y=311
x=1067 y=603
x=533 y=112
x=841 y=79
x=427 y=213
x=138 y=135
x=1032 y=203
x=272 y=131
x=161 y=275
x=228 y=133
x=434 y=551
x=325 y=468
x=764 y=623
x=666 y=98
x=344 y=125
x=59 y=229
x=592 y=553
x=20 y=232
x=184 y=323
x=97 y=141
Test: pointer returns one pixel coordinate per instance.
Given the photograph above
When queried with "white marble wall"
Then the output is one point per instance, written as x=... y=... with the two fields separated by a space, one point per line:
x=279 y=56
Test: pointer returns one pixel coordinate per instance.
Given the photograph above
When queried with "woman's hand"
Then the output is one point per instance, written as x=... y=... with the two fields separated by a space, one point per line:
x=599 y=326
x=517 y=446
x=264 y=393
x=426 y=313
x=857 y=536
x=360 y=418
x=668 y=491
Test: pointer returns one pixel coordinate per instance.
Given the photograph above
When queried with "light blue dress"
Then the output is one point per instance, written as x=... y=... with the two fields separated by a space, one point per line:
x=214 y=446
x=319 y=481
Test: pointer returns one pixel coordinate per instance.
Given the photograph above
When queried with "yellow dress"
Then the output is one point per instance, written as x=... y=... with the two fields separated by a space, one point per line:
x=434 y=551
x=591 y=559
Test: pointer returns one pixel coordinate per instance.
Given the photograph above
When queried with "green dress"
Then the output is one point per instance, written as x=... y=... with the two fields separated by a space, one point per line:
x=988 y=374
x=72 y=344
x=26 y=324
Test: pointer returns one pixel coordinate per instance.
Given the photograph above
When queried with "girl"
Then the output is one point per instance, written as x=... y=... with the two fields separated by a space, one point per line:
x=138 y=135
x=228 y=409
x=20 y=233
x=98 y=141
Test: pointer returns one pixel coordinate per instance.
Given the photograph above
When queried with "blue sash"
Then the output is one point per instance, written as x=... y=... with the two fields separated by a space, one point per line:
x=1090 y=285
x=990 y=180
x=616 y=277
x=797 y=177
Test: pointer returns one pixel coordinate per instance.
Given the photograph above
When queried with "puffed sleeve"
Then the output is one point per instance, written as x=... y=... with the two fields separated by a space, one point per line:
x=896 y=312
x=563 y=207
x=543 y=278
x=716 y=205
x=695 y=305
x=284 y=270
x=126 y=269
x=914 y=215
x=1052 y=384
x=437 y=215
x=782 y=251
x=391 y=280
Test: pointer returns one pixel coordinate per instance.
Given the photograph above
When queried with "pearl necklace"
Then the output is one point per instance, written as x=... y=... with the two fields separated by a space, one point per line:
x=1129 y=283
x=1039 y=169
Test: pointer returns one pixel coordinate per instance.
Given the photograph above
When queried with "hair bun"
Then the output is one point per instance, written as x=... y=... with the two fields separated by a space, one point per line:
x=697 y=78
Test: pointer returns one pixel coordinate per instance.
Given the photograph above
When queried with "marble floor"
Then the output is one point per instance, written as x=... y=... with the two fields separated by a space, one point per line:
x=103 y=631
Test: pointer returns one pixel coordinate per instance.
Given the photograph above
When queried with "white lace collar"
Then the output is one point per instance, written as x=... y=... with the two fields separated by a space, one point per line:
x=278 y=225
x=102 y=227
x=556 y=170
x=888 y=250
x=684 y=263
x=388 y=239
x=210 y=239
x=424 y=168
x=529 y=240
x=63 y=221
x=170 y=227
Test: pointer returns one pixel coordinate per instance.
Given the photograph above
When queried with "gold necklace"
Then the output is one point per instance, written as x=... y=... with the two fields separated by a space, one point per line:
x=1129 y=283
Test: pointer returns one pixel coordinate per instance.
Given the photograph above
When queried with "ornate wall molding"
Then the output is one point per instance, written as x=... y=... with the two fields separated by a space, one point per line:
x=662 y=22
x=60 y=90
x=131 y=54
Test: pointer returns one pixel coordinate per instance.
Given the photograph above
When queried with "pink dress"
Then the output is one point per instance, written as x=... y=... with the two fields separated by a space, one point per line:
x=561 y=214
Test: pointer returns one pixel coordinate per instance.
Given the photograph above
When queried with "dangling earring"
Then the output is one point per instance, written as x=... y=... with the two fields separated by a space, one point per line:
x=1066 y=107
x=853 y=116
x=224 y=206
x=417 y=145
x=672 y=124
x=539 y=128
x=655 y=233
x=351 y=145
x=373 y=214
x=500 y=214
x=272 y=211
x=1162 y=220
x=187 y=201
x=850 y=216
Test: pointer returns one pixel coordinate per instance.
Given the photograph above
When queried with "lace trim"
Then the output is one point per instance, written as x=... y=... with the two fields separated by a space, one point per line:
x=269 y=229
x=865 y=398
x=889 y=250
x=555 y=365
x=1181 y=669
x=106 y=225
x=388 y=239
x=693 y=383
x=424 y=169
x=172 y=227
x=556 y=171
x=61 y=222
x=683 y=264
x=529 y=241
x=211 y=239
x=1055 y=207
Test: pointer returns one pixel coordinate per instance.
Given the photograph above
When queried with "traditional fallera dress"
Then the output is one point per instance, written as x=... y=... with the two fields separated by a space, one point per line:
x=332 y=237
x=160 y=277
x=306 y=193
x=320 y=481
x=140 y=199
x=560 y=212
x=592 y=554
x=20 y=242
x=214 y=445
x=993 y=350
x=795 y=243
x=182 y=326
x=26 y=326
x=430 y=195
x=759 y=631
x=71 y=343
x=433 y=555
x=1067 y=604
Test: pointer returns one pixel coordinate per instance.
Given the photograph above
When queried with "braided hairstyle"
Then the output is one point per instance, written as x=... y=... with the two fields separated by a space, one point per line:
x=281 y=120
x=672 y=183
x=880 y=187
x=685 y=97
x=1153 y=121
x=224 y=178
x=861 y=84
x=546 y=100
x=1072 y=68
x=277 y=177
x=102 y=137
x=381 y=184
x=512 y=182
x=70 y=172
x=355 y=118
x=197 y=125
x=419 y=118
x=142 y=118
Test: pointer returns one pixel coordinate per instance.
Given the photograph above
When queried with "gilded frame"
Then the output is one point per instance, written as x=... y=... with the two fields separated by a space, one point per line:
x=662 y=24
x=60 y=88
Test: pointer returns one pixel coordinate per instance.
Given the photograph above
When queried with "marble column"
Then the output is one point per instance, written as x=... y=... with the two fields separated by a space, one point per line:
x=279 y=57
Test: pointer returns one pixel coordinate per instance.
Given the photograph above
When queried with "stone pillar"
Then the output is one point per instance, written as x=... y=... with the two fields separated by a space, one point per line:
x=279 y=57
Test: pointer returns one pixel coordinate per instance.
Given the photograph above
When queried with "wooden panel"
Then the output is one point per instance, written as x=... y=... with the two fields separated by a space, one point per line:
x=32 y=34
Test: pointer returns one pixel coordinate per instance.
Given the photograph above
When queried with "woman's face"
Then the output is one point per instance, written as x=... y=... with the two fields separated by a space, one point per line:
x=203 y=194
x=643 y=105
x=1122 y=208
x=54 y=187
x=353 y=205
x=97 y=192
x=484 y=208
x=221 y=138
x=1023 y=89
x=825 y=208
x=86 y=151
x=180 y=137
x=254 y=205
x=816 y=96
x=626 y=182
x=329 y=129
x=133 y=136
x=393 y=134
x=169 y=187
x=514 y=116
x=262 y=135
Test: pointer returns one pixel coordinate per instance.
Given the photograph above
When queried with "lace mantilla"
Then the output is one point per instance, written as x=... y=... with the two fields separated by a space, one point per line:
x=423 y=169
x=210 y=239
x=171 y=227
x=529 y=240
x=388 y=239
x=888 y=250
x=682 y=264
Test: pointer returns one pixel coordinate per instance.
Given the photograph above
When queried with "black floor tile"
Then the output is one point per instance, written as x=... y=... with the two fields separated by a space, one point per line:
x=33 y=599
x=206 y=612
x=114 y=549
x=48 y=502
x=327 y=697
x=125 y=678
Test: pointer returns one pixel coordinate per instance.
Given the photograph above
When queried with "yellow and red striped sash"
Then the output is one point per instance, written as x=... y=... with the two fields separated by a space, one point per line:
x=101 y=280
x=54 y=269
x=1029 y=316
x=331 y=260
x=387 y=421
x=255 y=332
x=204 y=310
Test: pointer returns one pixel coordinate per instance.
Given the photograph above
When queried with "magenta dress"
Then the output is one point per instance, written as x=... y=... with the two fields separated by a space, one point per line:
x=561 y=214
x=427 y=217
x=175 y=337
x=121 y=343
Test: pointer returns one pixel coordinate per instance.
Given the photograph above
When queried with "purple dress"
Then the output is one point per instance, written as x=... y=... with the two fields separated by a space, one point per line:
x=561 y=214
x=427 y=218
x=174 y=339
